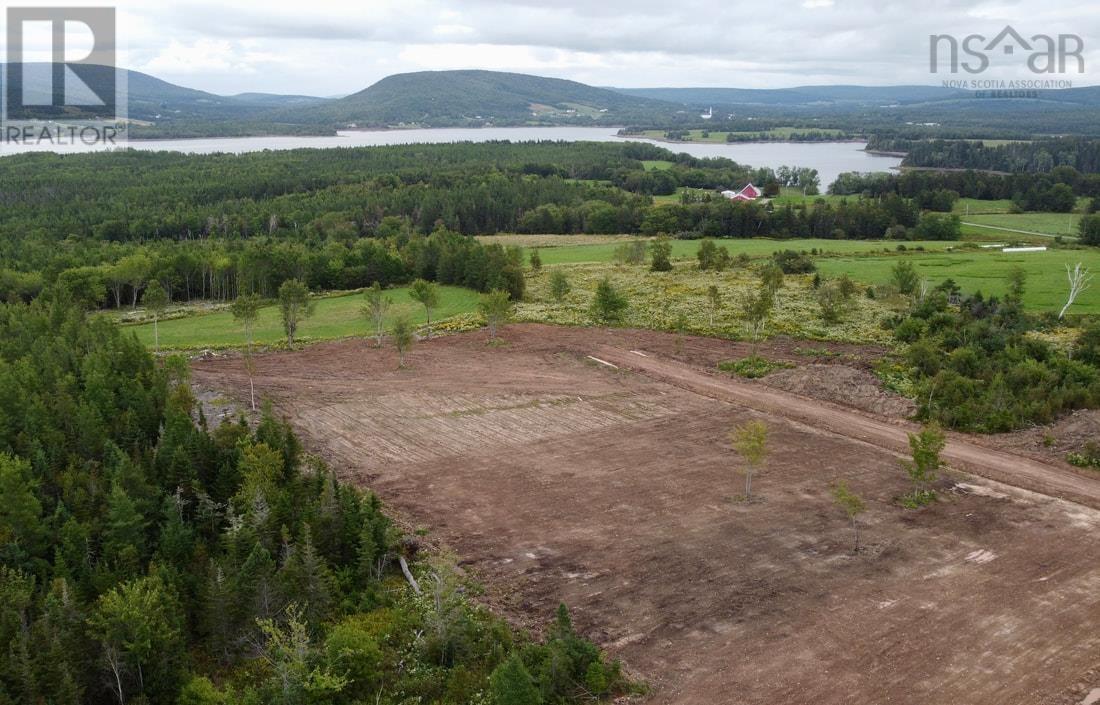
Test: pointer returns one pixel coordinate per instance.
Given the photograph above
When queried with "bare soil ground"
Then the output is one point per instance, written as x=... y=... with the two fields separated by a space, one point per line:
x=560 y=479
x=850 y=386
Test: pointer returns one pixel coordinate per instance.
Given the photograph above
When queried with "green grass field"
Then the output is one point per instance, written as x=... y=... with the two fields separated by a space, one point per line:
x=794 y=197
x=975 y=206
x=1047 y=223
x=984 y=271
x=335 y=317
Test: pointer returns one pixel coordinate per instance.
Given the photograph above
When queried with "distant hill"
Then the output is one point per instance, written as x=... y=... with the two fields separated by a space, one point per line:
x=176 y=110
x=438 y=98
x=476 y=98
x=793 y=97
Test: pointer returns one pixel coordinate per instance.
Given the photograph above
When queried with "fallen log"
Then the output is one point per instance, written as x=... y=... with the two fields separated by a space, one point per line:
x=408 y=574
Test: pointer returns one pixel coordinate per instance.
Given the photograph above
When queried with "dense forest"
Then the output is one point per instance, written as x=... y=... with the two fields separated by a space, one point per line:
x=214 y=226
x=1037 y=157
x=148 y=556
x=1056 y=191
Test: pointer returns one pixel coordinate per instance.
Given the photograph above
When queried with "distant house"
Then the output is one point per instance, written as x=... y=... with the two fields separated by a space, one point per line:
x=749 y=193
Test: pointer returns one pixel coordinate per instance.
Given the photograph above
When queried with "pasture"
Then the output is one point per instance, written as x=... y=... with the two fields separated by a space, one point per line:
x=985 y=271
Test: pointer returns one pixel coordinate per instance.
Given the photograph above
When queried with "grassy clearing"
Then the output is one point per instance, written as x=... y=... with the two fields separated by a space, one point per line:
x=976 y=206
x=656 y=164
x=988 y=234
x=985 y=272
x=794 y=197
x=335 y=317
x=675 y=197
x=529 y=241
x=677 y=300
x=1047 y=223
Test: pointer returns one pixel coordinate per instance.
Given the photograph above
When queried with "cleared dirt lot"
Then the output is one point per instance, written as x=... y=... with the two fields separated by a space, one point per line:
x=556 y=478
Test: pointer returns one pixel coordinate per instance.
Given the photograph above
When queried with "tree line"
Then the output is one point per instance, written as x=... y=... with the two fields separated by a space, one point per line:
x=1056 y=191
x=1038 y=156
x=222 y=270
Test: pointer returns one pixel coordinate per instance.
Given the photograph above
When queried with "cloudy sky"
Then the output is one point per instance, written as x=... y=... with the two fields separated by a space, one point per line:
x=324 y=47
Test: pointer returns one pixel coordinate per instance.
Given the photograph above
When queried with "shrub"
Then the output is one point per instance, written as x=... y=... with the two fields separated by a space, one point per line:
x=559 y=285
x=609 y=305
x=904 y=277
x=660 y=252
x=792 y=262
x=832 y=302
x=1089 y=229
x=752 y=367
x=1088 y=457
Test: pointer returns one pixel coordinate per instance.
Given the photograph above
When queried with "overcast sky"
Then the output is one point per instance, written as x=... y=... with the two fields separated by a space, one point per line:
x=323 y=47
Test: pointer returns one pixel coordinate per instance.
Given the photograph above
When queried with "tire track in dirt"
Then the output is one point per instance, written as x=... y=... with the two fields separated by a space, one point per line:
x=959 y=452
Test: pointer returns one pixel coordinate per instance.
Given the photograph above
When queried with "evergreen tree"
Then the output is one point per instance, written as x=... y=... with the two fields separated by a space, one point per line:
x=124 y=535
x=21 y=529
x=559 y=285
x=305 y=579
x=511 y=684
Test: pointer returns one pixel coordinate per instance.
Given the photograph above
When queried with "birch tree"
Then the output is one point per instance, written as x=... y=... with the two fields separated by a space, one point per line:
x=1079 y=278
x=245 y=310
x=377 y=306
x=156 y=301
x=852 y=504
x=751 y=442
x=427 y=295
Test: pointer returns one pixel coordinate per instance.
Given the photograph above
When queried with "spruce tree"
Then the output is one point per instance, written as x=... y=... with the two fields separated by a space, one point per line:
x=511 y=684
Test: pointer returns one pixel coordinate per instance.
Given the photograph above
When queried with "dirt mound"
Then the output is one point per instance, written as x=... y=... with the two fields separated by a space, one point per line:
x=1068 y=434
x=844 y=385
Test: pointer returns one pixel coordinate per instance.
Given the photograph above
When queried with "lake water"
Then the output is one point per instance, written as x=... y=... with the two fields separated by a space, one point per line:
x=829 y=158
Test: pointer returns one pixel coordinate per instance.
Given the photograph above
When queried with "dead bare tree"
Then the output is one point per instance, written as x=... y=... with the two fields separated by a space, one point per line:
x=1079 y=278
x=115 y=663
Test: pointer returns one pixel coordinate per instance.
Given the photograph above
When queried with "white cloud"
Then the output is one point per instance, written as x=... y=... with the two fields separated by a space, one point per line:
x=328 y=47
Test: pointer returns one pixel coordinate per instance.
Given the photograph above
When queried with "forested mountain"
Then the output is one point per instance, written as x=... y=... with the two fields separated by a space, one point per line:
x=437 y=98
x=925 y=111
x=152 y=99
x=162 y=109
x=800 y=96
x=477 y=98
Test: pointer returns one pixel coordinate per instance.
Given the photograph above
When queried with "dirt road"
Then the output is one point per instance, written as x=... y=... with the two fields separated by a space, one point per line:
x=891 y=435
